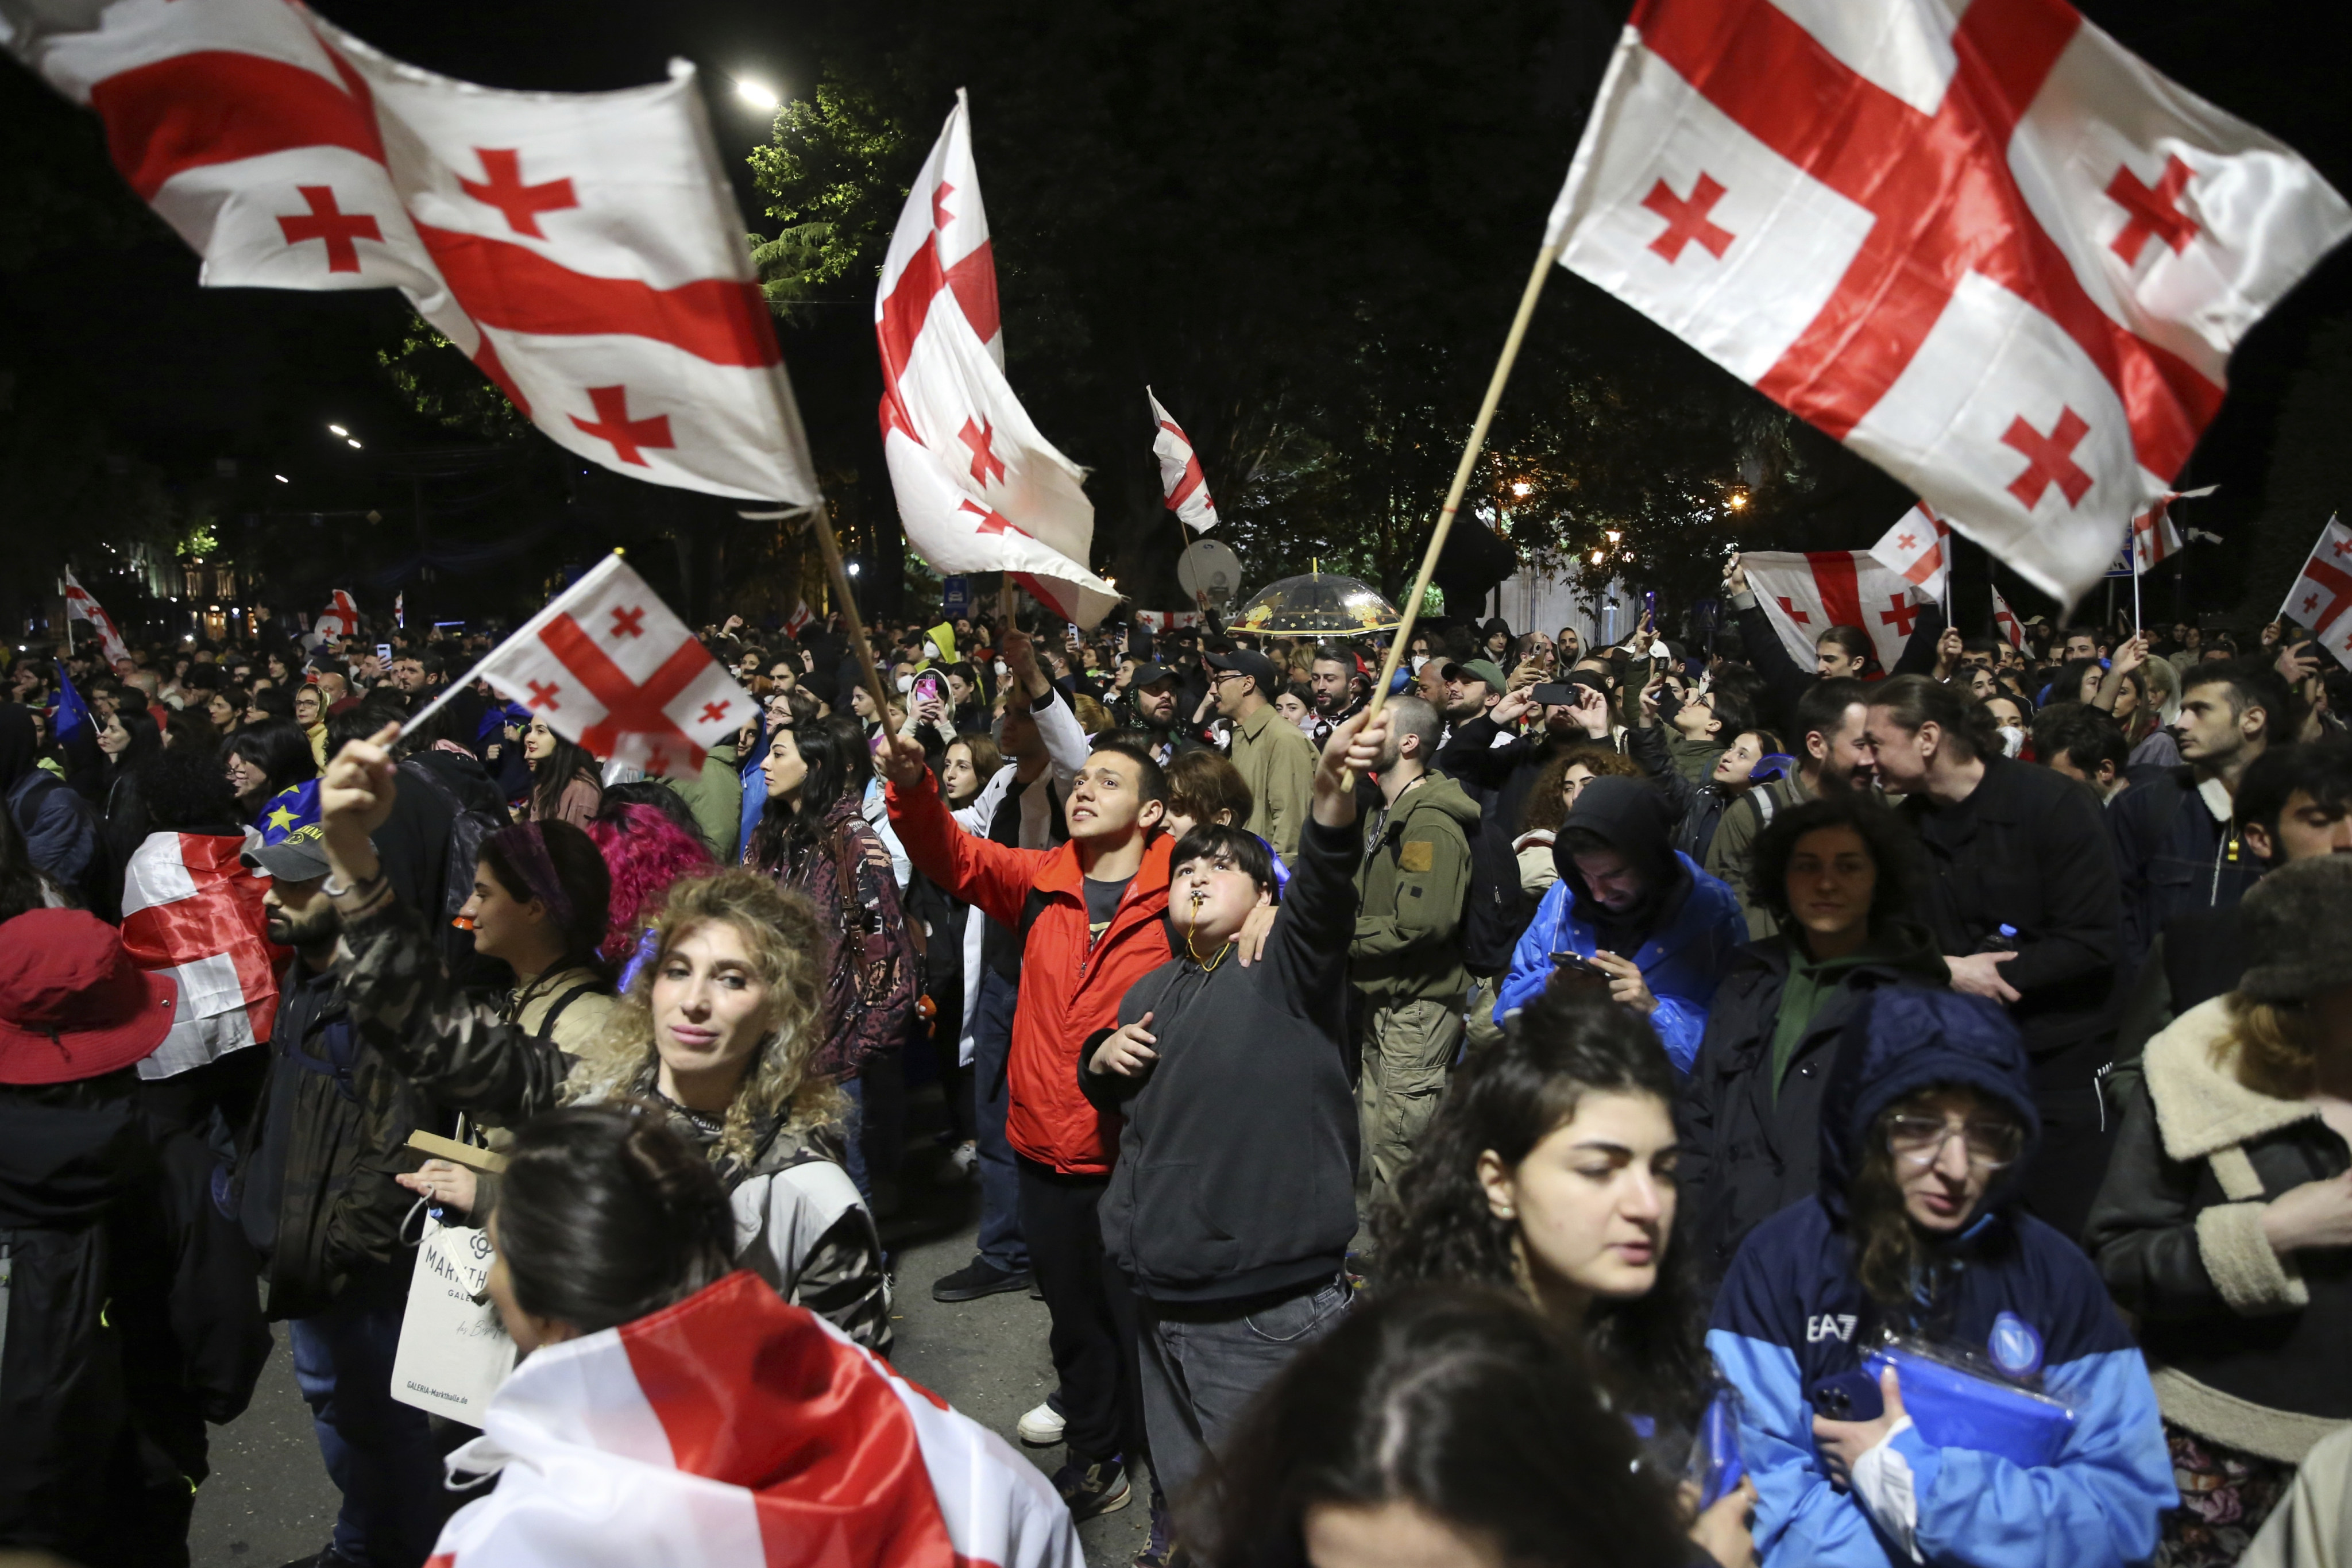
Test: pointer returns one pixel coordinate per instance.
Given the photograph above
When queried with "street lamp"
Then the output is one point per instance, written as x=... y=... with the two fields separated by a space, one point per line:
x=1522 y=489
x=757 y=96
x=337 y=430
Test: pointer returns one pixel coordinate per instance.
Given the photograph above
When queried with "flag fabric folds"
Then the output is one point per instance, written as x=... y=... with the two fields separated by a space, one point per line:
x=979 y=489
x=71 y=721
x=341 y=619
x=1915 y=550
x=81 y=606
x=1805 y=594
x=610 y=668
x=1181 y=479
x=584 y=250
x=191 y=910
x=2322 y=596
x=733 y=1430
x=2006 y=624
x=1985 y=247
x=2154 y=535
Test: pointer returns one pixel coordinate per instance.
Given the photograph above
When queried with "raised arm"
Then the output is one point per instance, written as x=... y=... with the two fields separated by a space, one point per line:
x=991 y=876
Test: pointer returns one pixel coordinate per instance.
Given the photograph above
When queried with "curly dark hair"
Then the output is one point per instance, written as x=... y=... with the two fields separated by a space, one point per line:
x=1892 y=848
x=1545 y=807
x=1567 y=1043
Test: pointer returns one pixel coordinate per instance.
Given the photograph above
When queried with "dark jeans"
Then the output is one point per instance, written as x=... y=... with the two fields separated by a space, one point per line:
x=1001 y=1243
x=1093 y=1311
x=381 y=1454
x=1201 y=1364
x=874 y=1140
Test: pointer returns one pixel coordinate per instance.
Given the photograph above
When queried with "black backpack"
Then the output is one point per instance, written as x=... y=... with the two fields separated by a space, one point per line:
x=469 y=827
x=63 y=1408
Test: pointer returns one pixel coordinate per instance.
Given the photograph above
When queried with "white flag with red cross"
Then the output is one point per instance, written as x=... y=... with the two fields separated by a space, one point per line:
x=81 y=606
x=2322 y=596
x=979 y=489
x=1915 y=550
x=1181 y=479
x=2006 y=624
x=609 y=668
x=1804 y=595
x=584 y=250
x=342 y=616
x=1983 y=246
x=2154 y=535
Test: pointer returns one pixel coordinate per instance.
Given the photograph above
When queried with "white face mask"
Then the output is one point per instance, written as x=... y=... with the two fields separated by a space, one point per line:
x=930 y=651
x=1418 y=660
x=1002 y=670
x=2012 y=739
x=906 y=683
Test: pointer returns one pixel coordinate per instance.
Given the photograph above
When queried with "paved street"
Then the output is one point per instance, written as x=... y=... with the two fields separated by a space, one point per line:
x=268 y=1500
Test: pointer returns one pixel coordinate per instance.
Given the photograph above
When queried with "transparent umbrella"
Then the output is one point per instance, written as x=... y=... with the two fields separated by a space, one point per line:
x=1318 y=602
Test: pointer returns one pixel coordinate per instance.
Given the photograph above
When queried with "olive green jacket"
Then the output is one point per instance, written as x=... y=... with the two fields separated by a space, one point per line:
x=1409 y=895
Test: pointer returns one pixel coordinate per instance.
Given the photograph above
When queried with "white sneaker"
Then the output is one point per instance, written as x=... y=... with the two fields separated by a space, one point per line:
x=1041 y=1427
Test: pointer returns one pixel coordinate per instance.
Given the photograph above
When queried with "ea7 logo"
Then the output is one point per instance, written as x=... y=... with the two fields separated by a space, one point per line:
x=1830 y=1326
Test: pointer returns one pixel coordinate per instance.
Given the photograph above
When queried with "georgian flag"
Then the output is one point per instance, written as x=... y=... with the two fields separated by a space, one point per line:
x=1181 y=479
x=2154 y=535
x=733 y=1430
x=1981 y=245
x=609 y=668
x=341 y=619
x=191 y=910
x=2322 y=596
x=581 y=248
x=1914 y=549
x=81 y=606
x=979 y=488
x=1805 y=595
x=2005 y=623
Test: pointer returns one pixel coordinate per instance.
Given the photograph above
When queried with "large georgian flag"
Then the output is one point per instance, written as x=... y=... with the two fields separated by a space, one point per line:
x=1805 y=595
x=610 y=668
x=1984 y=246
x=2322 y=596
x=191 y=910
x=1181 y=482
x=734 y=1431
x=81 y=606
x=979 y=489
x=581 y=248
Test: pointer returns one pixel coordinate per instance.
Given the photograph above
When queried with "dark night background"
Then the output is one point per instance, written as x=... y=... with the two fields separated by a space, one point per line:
x=1304 y=221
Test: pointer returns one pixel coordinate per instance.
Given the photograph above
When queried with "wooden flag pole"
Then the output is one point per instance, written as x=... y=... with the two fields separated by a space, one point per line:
x=1545 y=261
x=830 y=548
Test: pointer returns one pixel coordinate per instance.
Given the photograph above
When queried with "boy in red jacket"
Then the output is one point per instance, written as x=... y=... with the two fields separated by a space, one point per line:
x=1089 y=915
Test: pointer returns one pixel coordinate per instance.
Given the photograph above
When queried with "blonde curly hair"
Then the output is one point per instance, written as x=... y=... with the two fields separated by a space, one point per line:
x=787 y=946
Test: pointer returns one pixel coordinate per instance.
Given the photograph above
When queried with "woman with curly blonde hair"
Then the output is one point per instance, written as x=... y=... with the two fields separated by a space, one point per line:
x=721 y=1031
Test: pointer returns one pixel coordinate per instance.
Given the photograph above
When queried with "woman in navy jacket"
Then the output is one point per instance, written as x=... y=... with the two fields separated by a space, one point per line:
x=1927 y=1122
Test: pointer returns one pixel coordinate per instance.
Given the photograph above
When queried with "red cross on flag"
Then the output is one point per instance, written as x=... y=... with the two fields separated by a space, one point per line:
x=1983 y=246
x=2322 y=596
x=1181 y=479
x=2006 y=624
x=979 y=489
x=81 y=606
x=611 y=668
x=1914 y=549
x=584 y=250
x=341 y=619
x=1805 y=595
x=2154 y=535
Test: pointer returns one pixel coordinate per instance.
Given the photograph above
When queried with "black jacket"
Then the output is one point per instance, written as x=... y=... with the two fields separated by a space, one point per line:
x=1236 y=1169
x=1699 y=807
x=1747 y=1154
x=2198 y=955
x=2029 y=849
x=2173 y=857
x=2176 y=1232
x=1498 y=778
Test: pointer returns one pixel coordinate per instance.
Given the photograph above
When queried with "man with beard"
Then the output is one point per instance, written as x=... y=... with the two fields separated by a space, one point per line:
x=1337 y=687
x=1829 y=720
x=321 y=1203
x=1156 y=698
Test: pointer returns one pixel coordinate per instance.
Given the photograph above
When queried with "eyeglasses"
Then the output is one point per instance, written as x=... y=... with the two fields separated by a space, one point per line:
x=1221 y=676
x=1920 y=1140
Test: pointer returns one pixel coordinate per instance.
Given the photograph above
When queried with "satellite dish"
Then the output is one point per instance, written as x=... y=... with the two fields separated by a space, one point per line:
x=1208 y=569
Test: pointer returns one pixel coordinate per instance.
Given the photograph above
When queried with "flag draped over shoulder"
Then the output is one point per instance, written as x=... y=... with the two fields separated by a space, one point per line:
x=979 y=488
x=191 y=910
x=1983 y=246
x=735 y=1431
x=584 y=250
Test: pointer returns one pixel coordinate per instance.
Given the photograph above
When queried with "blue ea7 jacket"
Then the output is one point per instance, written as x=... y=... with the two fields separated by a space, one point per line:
x=1681 y=962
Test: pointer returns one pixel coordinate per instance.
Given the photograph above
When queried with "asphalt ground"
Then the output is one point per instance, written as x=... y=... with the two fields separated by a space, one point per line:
x=268 y=1500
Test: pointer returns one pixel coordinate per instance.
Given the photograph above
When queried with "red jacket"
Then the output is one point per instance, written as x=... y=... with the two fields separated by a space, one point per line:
x=1069 y=988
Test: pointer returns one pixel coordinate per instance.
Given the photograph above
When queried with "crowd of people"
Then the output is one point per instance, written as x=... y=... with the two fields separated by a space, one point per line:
x=1668 y=1103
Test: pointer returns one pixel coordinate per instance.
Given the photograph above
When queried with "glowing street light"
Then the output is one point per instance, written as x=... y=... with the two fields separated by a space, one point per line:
x=1614 y=536
x=1522 y=489
x=337 y=430
x=281 y=478
x=352 y=442
x=1737 y=501
x=757 y=96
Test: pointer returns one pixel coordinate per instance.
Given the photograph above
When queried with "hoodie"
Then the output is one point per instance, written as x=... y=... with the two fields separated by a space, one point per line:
x=1410 y=892
x=1792 y=1314
x=1681 y=930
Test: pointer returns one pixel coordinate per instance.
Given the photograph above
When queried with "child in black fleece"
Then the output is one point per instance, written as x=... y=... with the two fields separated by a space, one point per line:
x=1232 y=1198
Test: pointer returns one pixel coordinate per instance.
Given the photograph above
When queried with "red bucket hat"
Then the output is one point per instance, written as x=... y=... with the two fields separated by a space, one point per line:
x=72 y=1004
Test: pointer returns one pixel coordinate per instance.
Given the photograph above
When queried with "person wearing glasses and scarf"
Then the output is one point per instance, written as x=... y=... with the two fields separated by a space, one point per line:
x=1927 y=1126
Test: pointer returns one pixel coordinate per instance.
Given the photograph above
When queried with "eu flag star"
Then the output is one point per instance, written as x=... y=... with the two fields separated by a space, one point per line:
x=282 y=819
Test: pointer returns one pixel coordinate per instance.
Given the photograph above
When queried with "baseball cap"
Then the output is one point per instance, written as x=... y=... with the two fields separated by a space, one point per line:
x=1147 y=673
x=72 y=1004
x=1249 y=662
x=297 y=856
x=1477 y=670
